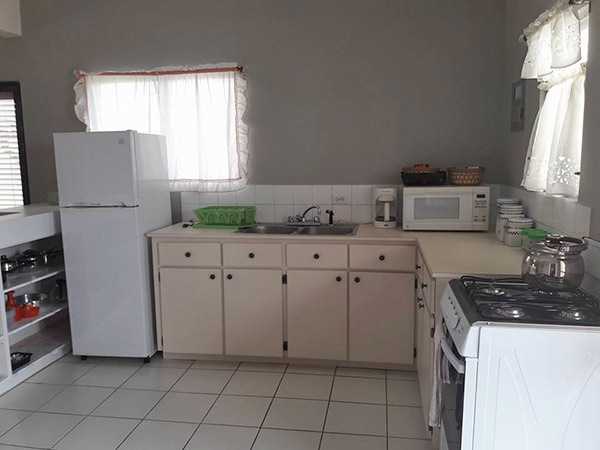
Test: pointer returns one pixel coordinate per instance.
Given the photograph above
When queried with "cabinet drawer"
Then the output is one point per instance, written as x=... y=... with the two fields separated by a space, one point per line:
x=252 y=255
x=317 y=255
x=383 y=257
x=189 y=254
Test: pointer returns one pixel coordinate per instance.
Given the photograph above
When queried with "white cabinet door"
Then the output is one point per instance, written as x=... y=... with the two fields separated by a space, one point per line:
x=381 y=317
x=317 y=313
x=253 y=312
x=192 y=311
x=424 y=345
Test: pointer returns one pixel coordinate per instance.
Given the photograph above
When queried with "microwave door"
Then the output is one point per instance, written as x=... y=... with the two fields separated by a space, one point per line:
x=439 y=212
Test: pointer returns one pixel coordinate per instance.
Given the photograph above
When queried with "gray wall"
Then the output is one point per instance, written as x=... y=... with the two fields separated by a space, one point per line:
x=590 y=163
x=340 y=91
x=519 y=13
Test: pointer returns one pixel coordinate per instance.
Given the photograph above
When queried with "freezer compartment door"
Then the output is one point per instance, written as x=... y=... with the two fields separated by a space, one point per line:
x=96 y=169
x=109 y=292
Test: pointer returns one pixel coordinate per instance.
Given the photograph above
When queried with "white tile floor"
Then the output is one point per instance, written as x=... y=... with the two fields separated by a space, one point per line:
x=109 y=404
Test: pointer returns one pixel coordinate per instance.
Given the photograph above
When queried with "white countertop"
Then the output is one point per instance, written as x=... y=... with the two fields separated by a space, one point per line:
x=28 y=223
x=447 y=254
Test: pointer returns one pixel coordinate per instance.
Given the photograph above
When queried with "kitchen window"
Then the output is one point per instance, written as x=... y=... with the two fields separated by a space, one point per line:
x=557 y=56
x=199 y=110
x=14 y=189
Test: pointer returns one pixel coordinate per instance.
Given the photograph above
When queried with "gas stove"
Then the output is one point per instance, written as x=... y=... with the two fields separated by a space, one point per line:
x=524 y=365
x=471 y=303
x=512 y=300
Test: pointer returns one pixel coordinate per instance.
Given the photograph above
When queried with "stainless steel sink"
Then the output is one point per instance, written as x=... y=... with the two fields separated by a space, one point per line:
x=267 y=228
x=312 y=230
x=327 y=230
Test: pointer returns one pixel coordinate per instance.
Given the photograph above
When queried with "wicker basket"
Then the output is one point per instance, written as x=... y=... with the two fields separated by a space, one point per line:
x=420 y=169
x=466 y=176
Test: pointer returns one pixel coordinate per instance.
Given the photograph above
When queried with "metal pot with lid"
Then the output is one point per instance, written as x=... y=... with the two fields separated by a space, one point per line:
x=555 y=263
x=7 y=265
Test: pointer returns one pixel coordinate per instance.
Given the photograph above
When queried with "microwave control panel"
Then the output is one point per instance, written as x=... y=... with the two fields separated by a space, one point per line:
x=481 y=206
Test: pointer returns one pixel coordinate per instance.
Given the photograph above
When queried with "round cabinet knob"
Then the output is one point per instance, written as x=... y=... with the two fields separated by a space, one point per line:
x=381 y=257
x=357 y=280
x=423 y=285
x=338 y=279
x=229 y=277
x=212 y=276
x=418 y=267
x=316 y=256
x=421 y=305
x=188 y=254
x=251 y=255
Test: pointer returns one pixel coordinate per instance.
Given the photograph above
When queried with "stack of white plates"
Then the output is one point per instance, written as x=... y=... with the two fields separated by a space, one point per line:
x=506 y=208
x=513 y=227
x=507 y=201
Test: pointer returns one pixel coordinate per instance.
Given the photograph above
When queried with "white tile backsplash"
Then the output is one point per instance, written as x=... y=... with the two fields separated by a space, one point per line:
x=302 y=195
x=361 y=195
x=190 y=197
x=553 y=214
x=582 y=220
x=227 y=198
x=341 y=195
x=343 y=212
x=361 y=213
x=283 y=195
x=247 y=196
x=265 y=213
x=282 y=212
x=207 y=198
x=264 y=195
x=354 y=203
x=321 y=195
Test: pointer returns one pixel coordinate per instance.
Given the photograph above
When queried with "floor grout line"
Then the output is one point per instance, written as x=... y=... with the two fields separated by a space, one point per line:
x=268 y=409
x=217 y=396
x=327 y=410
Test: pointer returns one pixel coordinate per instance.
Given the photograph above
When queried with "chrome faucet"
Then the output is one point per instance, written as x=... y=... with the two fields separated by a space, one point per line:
x=301 y=218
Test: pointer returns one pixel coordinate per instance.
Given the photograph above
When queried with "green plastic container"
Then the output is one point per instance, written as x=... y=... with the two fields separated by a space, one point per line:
x=532 y=235
x=225 y=216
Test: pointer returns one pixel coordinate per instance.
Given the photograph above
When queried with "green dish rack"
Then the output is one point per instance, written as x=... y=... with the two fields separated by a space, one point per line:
x=225 y=216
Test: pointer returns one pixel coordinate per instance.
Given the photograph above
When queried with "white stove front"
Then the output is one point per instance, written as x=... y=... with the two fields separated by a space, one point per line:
x=525 y=387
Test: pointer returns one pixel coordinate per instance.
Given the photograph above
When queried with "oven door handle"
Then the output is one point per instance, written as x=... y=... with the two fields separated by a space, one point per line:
x=458 y=365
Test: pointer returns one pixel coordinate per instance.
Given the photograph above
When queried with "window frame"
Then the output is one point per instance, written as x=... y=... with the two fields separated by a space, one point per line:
x=14 y=87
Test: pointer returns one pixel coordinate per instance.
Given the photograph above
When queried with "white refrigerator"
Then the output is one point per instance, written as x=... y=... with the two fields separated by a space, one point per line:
x=113 y=189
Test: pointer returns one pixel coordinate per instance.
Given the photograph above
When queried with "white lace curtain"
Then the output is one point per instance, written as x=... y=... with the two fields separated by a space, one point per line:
x=198 y=109
x=557 y=54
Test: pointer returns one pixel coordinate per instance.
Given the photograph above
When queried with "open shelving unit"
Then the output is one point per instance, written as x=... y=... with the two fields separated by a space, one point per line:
x=18 y=280
x=47 y=336
x=47 y=310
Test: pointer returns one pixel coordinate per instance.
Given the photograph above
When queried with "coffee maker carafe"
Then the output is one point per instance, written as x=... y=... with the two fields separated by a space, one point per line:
x=385 y=207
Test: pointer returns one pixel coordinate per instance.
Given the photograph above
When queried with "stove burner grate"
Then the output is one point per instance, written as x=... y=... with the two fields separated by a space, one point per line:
x=513 y=299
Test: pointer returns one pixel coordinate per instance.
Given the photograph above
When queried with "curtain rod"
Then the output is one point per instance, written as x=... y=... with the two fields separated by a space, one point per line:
x=239 y=69
x=523 y=38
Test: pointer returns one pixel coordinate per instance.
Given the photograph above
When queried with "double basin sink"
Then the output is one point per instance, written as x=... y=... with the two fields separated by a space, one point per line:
x=310 y=230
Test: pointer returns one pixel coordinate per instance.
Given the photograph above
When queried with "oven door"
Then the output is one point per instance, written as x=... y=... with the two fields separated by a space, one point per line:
x=458 y=414
x=438 y=209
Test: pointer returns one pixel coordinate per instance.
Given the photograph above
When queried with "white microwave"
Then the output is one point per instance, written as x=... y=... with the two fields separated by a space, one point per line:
x=446 y=208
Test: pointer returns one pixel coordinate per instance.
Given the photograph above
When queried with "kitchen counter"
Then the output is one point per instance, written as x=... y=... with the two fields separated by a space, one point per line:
x=447 y=254
x=28 y=223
